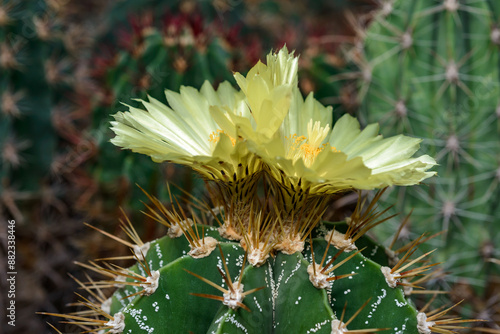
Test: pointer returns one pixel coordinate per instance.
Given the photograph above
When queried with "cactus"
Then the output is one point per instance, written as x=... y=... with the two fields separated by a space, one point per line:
x=432 y=72
x=194 y=280
x=272 y=265
x=430 y=69
x=24 y=89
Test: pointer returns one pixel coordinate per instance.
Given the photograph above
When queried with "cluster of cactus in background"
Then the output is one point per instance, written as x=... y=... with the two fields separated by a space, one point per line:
x=267 y=268
x=430 y=69
x=43 y=73
x=64 y=65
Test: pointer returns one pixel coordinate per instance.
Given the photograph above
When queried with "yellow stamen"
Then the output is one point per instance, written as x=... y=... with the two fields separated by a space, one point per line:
x=215 y=137
x=308 y=147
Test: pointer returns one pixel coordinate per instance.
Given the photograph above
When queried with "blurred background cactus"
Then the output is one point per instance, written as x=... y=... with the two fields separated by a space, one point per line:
x=428 y=69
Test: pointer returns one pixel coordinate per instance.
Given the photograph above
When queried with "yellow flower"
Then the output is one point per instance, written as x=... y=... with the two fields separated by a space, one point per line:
x=329 y=161
x=304 y=155
x=268 y=90
x=185 y=132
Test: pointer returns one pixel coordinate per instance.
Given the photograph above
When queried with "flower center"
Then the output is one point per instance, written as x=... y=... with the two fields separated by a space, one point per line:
x=308 y=147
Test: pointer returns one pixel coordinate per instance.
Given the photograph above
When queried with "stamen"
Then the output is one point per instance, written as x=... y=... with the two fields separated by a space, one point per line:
x=215 y=137
x=308 y=147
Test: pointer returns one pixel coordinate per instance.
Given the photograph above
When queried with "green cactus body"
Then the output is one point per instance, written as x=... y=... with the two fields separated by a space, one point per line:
x=26 y=97
x=435 y=74
x=287 y=301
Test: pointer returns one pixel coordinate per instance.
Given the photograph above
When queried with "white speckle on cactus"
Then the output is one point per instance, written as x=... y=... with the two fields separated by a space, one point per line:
x=141 y=251
x=318 y=326
x=403 y=328
x=167 y=297
x=239 y=260
x=257 y=304
x=232 y=319
x=424 y=326
x=401 y=304
x=376 y=304
x=117 y=324
x=136 y=315
x=159 y=254
x=156 y=306
x=297 y=267
x=207 y=245
x=339 y=241
x=374 y=251
x=347 y=291
x=391 y=279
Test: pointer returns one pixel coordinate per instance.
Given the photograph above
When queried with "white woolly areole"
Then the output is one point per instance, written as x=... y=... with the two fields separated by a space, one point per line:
x=495 y=36
x=393 y=258
x=258 y=256
x=120 y=278
x=227 y=231
x=407 y=289
x=216 y=210
x=290 y=244
x=391 y=279
x=232 y=299
x=117 y=324
x=175 y=231
x=318 y=279
x=151 y=283
x=338 y=327
x=424 y=326
x=141 y=251
x=106 y=305
x=204 y=249
x=339 y=241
